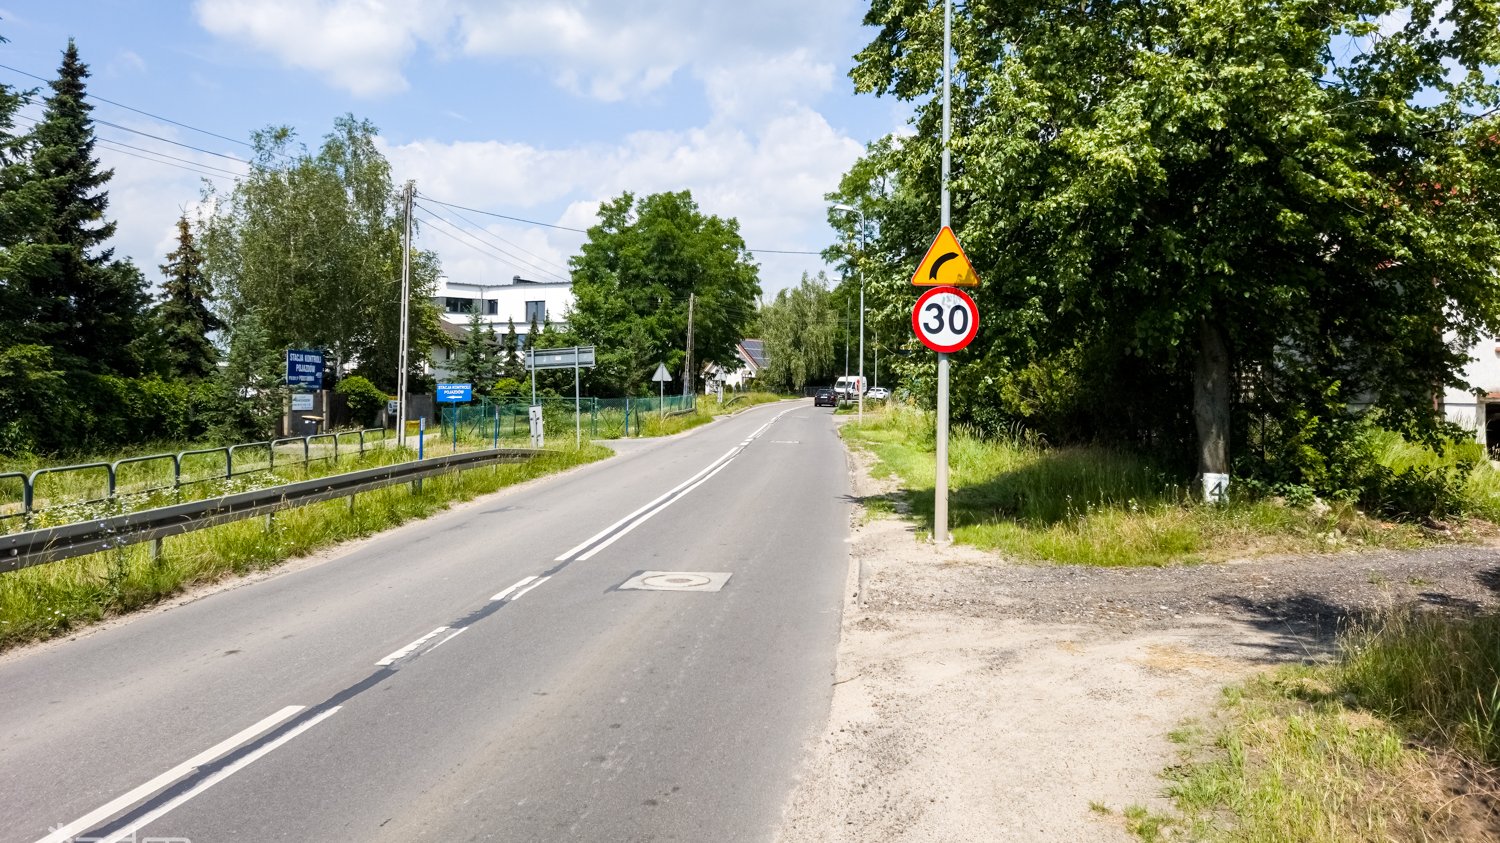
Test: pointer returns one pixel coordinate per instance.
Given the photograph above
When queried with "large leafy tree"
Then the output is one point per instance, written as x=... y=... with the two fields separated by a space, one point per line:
x=633 y=279
x=311 y=244
x=86 y=306
x=1240 y=205
x=800 y=328
x=183 y=318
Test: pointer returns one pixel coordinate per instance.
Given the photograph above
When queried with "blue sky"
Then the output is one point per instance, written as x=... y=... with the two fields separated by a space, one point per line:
x=532 y=109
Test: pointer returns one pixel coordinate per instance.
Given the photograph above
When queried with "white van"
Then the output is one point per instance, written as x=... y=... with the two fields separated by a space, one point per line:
x=850 y=386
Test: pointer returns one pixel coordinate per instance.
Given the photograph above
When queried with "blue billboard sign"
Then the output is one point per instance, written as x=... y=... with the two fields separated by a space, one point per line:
x=454 y=393
x=304 y=368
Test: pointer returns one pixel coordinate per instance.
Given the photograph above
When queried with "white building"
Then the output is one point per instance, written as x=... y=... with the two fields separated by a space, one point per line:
x=521 y=301
x=1479 y=414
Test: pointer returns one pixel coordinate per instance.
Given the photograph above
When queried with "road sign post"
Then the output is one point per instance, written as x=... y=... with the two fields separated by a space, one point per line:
x=574 y=357
x=661 y=377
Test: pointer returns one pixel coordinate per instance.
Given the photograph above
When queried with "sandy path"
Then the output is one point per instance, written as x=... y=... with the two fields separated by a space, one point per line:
x=983 y=700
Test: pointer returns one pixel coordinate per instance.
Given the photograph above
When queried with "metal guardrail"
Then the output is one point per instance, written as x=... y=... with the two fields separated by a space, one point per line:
x=112 y=469
x=36 y=547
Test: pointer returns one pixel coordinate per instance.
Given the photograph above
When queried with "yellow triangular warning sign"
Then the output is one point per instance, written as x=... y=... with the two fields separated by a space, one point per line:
x=945 y=264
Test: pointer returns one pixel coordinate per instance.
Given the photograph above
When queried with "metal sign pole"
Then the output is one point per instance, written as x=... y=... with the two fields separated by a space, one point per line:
x=405 y=319
x=577 y=405
x=940 y=490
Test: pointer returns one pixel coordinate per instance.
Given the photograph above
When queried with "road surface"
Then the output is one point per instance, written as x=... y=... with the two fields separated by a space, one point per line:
x=481 y=675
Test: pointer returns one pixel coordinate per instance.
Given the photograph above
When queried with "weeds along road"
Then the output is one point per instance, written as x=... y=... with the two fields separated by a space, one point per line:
x=478 y=675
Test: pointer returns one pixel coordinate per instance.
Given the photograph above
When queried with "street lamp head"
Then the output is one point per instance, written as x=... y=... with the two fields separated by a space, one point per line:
x=842 y=207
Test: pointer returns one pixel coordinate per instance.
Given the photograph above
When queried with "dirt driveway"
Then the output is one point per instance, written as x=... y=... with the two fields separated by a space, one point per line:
x=978 y=699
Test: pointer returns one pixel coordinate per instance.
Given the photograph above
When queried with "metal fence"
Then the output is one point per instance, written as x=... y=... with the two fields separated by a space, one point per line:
x=598 y=418
x=23 y=495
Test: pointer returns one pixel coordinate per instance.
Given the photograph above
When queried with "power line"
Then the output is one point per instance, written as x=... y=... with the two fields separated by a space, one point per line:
x=583 y=231
x=169 y=140
x=137 y=110
x=502 y=216
x=114 y=144
x=203 y=173
x=466 y=239
x=524 y=264
x=482 y=230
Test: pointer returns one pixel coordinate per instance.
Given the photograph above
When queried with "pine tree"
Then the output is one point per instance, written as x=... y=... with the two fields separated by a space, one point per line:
x=182 y=316
x=89 y=305
x=475 y=361
x=511 y=364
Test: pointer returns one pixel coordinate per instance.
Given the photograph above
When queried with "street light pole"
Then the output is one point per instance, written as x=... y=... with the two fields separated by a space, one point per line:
x=860 y=274
x=940 y=490
x=405 y=326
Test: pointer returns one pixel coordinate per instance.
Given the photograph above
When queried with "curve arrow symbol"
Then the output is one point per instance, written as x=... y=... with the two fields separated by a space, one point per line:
x=937 y=264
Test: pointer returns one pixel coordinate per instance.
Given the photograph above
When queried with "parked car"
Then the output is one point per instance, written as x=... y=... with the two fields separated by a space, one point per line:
x=824 y=397
x=878 y=393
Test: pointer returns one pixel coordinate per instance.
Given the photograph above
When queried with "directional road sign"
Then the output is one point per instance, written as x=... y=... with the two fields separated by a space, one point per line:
x=560 y=358
x=453 y=393
x=945 y=264
x=945 y=319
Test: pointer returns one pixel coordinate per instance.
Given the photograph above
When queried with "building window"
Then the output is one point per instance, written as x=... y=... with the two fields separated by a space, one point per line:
x=492 y=307
x=456 y=305
x=536 y=311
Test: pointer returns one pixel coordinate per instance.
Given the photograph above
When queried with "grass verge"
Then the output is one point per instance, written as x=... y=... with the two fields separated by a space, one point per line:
x=49 y=600
x=706 y=410
x=1096 y=506
x=1395 y=741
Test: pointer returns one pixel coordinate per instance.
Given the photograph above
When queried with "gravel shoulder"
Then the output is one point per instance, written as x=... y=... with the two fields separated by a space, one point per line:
x=982 y=699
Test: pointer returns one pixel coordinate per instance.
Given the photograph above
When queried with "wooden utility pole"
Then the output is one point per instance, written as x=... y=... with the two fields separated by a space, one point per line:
x=688 y=381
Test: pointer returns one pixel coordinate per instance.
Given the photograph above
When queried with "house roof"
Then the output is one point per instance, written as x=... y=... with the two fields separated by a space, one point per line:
x=755 y=351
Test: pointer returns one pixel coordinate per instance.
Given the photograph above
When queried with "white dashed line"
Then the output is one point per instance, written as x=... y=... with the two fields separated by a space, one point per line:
x=528 y=588
x=506 y=593
x=452 y=635
x=410 y=648
x=128 y=832
x=104 y=812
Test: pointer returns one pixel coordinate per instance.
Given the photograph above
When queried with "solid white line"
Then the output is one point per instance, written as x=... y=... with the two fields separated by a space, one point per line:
x=407 y=650
x=639 y=521
x=452 y=635
x=604 y=532
x=506 y=593
x=104 y=812
x=130 y=830
x=528 y=588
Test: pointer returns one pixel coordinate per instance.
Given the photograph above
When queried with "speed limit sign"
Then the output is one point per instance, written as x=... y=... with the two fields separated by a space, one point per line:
x=945 y=319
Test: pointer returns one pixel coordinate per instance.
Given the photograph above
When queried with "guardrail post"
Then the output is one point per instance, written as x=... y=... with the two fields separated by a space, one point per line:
x=156 y=549
x=306 y=452
x=176 y=472
x=335 y=448
x=228 y=463
x=26 y=493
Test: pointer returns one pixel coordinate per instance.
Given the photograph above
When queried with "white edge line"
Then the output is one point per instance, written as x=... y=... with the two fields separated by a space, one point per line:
x=674 y=490
x=113 y=807
x=407 y=650
x=639 y=521
x=452 y=635
x=130 y=830
x=528 y=588
x=506 y=593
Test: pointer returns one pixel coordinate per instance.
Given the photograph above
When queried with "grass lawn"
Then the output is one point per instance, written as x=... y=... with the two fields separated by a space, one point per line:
x=1097 y=506
x=1361 y=749
x=48 y=600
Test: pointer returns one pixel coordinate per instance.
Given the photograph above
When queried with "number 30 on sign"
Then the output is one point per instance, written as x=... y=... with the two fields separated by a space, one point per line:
x=945 y=319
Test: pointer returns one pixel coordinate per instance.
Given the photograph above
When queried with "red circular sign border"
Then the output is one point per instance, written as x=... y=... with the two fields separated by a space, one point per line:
x=945 y=349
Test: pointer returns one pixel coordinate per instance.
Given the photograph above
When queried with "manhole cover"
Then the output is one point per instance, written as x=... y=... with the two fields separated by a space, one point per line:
x=675 y=581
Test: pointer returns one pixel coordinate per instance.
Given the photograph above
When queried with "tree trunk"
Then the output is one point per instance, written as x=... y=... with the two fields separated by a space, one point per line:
x=1211 y=398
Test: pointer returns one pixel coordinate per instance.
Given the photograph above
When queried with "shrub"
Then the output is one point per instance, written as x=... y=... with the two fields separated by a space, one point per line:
x=365 y=400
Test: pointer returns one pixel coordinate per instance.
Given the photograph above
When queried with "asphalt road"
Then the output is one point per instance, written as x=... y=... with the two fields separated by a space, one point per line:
x=480 y=675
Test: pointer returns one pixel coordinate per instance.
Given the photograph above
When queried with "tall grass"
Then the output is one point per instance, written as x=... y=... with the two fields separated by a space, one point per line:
x=50 y=599
x=1436 y=675
x=1326 y=753
x=1092 y=505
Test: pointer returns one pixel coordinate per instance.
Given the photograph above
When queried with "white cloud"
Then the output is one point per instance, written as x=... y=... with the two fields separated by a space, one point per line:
x=771 y=180
x=359 y=45
x=606 y=49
